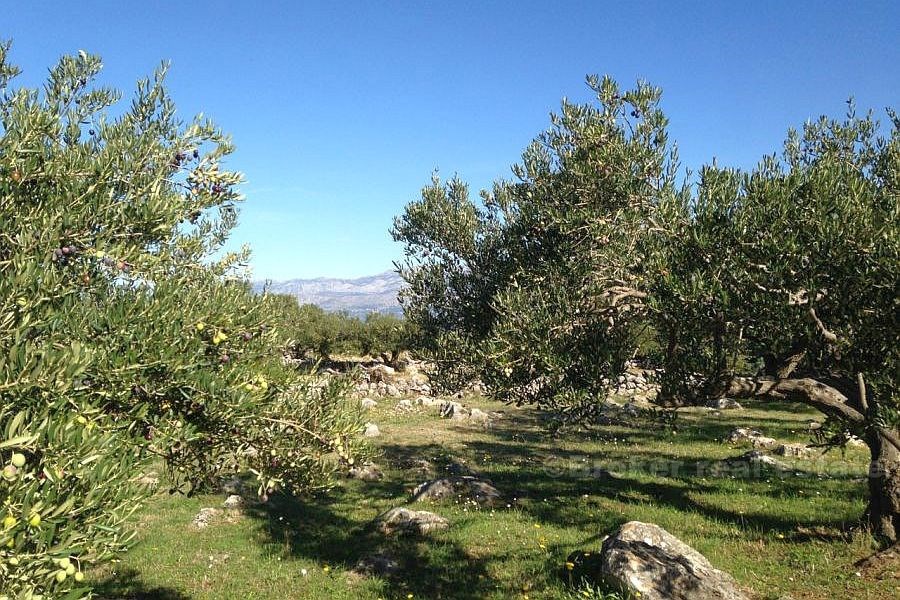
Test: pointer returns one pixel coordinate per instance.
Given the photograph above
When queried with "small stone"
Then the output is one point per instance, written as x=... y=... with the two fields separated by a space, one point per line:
x=371 y=430
x=404 y=520
x=766 y=443
x=427 y=401
x=755 y=437
x=755 y=457
x=366 y=472
x=796 y=450
x=725 y=404
x=382 y=373
x=205 y=517
x=743 y=434
x=476 y=415
x=450 y=409
x=233 y=502
x=367 y=404
x=464 y=487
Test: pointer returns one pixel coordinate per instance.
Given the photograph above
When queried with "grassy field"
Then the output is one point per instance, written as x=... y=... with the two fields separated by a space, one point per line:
x=781 y=535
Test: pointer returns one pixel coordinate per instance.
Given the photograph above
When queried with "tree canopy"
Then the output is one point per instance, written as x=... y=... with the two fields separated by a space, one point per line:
x=126 y=338
x=780 y=281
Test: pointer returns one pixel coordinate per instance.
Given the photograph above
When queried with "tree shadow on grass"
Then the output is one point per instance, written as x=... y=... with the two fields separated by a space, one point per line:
x=567 y=480
x=316 y=529
x=128 y=585
x=324 y=530
x=552 y=484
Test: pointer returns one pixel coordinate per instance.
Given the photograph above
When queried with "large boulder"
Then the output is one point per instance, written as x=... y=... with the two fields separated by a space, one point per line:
x=648 y=562
x=463 y=488
x=404 y=520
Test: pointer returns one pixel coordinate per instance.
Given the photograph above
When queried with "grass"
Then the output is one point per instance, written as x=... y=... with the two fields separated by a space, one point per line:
x=778 y=534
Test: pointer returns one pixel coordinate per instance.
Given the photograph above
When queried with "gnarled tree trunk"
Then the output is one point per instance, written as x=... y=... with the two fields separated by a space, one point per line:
x=884 y=489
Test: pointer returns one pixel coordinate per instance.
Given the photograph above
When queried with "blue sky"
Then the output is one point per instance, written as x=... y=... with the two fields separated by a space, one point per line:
x=341 y=110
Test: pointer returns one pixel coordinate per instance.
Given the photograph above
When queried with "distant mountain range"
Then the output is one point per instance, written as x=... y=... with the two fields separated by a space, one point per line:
x=358 y=297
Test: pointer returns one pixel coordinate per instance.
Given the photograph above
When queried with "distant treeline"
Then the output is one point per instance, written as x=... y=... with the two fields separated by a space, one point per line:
x=318 y=333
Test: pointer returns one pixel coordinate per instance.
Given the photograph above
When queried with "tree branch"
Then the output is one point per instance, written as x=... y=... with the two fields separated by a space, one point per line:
x=807 y=391
x=791 y=364
x=619 y=293
x=863 y=402
x=831 y=337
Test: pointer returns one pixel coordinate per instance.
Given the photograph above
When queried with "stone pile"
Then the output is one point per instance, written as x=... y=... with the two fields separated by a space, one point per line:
x=382 y=381
x=761 y=442
x=637 y=382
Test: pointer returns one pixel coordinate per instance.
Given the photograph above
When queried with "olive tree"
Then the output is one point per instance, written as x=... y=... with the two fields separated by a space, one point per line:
x=780 y=282
x=794 y=265
x=538 y=289
x=122 y=340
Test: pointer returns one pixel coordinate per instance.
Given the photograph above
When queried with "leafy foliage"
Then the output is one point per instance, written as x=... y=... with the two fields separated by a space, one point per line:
x=533 y=289
x=779 y=282
x=792 y=264
x=121 y=340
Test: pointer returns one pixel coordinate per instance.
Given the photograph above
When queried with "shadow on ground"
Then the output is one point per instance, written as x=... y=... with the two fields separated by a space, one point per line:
x=128 y=585
x=524 y=463
x=427 y=568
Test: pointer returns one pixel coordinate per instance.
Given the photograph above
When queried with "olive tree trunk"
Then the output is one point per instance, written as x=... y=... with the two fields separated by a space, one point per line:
x=884 y=489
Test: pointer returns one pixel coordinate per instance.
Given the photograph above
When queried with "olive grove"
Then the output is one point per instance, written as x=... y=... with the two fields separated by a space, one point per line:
x=777 y=282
